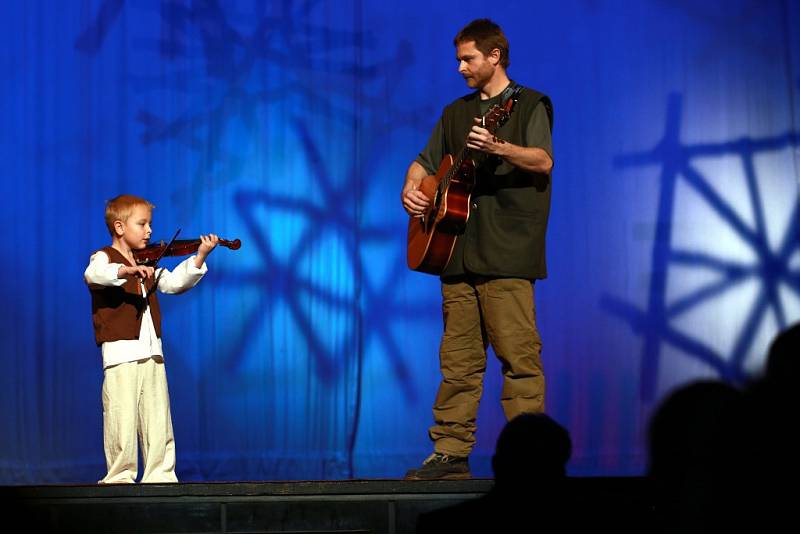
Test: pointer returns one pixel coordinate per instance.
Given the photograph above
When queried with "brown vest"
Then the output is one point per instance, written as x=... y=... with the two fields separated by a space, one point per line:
x=117 y=311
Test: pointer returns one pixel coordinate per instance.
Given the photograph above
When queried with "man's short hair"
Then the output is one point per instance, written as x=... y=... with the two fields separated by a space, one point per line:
x=487 y=36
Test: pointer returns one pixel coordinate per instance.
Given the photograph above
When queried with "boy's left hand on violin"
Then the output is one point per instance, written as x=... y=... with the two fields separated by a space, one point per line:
x=207 y=244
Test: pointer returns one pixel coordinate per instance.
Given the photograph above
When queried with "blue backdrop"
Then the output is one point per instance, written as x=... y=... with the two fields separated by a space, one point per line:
x=312 y=351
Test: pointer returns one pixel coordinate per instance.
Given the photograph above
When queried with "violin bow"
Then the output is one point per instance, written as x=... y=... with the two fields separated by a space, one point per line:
x=155 y=264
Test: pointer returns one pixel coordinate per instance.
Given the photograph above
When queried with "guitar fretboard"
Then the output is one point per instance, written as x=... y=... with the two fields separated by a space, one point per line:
x=492 y=119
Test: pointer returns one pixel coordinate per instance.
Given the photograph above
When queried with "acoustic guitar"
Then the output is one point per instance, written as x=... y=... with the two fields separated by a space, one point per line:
x=432 y=237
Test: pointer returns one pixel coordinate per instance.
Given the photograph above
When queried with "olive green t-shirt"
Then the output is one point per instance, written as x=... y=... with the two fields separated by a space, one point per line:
x=537 y=134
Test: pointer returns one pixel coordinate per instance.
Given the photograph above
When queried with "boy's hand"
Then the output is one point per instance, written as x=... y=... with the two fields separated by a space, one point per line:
x=207 y=244
x=139 y=271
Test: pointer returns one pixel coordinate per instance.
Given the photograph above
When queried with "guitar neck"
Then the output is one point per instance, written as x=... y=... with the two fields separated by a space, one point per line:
x=491 y=122
x=462 y=156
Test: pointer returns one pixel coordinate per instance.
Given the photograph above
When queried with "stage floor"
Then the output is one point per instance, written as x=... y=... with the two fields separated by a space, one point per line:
x=379 y=506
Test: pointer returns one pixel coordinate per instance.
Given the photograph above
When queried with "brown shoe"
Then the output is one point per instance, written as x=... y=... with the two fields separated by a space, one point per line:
x=440 y=466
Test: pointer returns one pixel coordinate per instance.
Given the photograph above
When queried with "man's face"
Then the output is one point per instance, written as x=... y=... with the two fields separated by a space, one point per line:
x=476 y=68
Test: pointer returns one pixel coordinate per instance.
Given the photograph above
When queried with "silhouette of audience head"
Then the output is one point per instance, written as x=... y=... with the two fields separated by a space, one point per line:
x=783 y=356
x=771 y=441
x=531 y=447
x=719 y=455
x=529 y=466
x=694 y=445
x=689 y=428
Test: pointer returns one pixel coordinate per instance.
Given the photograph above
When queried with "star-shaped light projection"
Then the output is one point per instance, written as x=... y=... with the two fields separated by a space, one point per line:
x=726 y=252
x=224 y=76
x=293 y=145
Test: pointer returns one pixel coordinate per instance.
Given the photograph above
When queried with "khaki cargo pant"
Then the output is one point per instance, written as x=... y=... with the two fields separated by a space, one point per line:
x=478 y=312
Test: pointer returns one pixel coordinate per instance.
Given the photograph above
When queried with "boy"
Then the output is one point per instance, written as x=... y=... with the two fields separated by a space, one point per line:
x=127 y=327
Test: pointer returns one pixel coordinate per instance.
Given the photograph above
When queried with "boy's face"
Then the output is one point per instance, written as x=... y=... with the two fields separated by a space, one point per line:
x=135 y=231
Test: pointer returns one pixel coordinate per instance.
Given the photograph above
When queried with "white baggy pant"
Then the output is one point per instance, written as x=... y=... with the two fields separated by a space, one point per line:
x=136 y=404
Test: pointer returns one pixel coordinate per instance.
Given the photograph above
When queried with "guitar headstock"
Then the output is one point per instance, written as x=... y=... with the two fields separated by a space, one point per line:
x=497 y=115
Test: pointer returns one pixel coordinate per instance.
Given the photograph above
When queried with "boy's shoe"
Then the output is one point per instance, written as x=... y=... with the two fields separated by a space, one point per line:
x=440 y=466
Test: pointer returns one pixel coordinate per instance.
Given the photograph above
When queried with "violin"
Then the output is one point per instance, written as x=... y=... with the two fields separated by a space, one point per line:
x=150 y=254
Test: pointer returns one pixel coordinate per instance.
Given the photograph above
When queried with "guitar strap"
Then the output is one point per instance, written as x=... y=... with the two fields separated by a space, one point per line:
x=508 y=92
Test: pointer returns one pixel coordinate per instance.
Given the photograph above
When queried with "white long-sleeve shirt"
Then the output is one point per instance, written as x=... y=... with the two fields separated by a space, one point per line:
x=103 y=273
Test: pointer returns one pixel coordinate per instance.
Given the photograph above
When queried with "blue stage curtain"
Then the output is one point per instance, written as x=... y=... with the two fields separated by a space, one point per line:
x=312 y=352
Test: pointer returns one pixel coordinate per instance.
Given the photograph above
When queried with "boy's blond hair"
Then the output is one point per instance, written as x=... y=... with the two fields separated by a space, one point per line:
x=121 y=207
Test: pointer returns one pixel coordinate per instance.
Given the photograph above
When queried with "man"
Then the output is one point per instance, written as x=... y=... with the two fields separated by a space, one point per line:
x=487 y=287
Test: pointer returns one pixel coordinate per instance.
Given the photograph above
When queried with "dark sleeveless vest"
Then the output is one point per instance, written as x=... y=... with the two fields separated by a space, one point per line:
x=117 y=311
x=505 y=233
